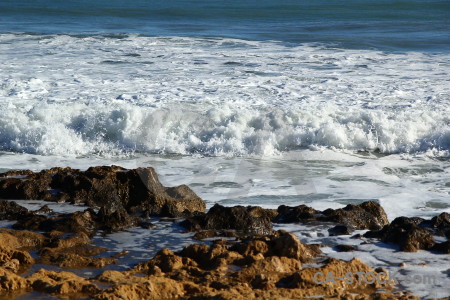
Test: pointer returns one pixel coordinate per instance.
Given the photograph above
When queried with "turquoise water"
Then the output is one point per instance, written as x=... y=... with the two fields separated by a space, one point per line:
x=418 y=25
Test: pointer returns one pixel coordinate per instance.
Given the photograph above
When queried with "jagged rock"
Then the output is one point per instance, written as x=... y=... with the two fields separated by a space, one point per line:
x=367 y=215
x=45 y=210
x=22 y=259
x=115 y=220
x=441 y=224
x=10 y=210
x=301 y=213
x=60 y=283
x=249 y=269
x=247 y=220
x=287 y=244
x=11 y=282
x=137 y=190
x=74 y=222
x=73 y=252
x=264 y=273
x=406 y=233
x=153 y=288
x=339 y=230
x=73 y=260
x=316 y=277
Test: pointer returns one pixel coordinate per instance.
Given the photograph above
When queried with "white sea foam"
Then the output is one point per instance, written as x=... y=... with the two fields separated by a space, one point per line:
x=68 y=95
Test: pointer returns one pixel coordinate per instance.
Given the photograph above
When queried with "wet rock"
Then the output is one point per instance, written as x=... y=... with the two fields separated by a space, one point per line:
x=287 y=244
x=301 y=213
x=367 y=215
x=441 y=224
x=21 y=239
x=10 y=210
x=316 y=277
x=22 y=259
x=61 y=284
x=9 y=281
x=339 y=230
x=73 y=260
x=73 y=252
x=137 y=191
x=45 y=210
x=344 y=248
x=443 y=247
x=115 y=220
x=74 y=222
x=153 y=288
x=264 y=273
x=406 y=233
x=246 y=220
x=200 y=235
x=249 y=269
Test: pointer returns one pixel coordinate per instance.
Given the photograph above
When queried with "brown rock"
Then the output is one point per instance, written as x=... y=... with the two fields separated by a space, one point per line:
x=73 y=260
x=268 y=270
x=61 y=283
x=137 y=191
x=10 y=210
x=287 y=244
x=152 y=288
x=367 y=215
x=22 y=259
x=21 y=238
x=406 y=233
x=11 y=282
x=246 y=220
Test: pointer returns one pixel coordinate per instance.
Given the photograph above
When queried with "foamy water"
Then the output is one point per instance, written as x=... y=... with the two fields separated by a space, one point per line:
x=74 y=95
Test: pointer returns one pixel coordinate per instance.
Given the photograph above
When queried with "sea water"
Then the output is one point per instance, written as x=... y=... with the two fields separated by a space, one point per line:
x=322 y=103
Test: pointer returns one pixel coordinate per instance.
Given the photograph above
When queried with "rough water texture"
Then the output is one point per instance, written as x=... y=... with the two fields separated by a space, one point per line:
x=111 y=96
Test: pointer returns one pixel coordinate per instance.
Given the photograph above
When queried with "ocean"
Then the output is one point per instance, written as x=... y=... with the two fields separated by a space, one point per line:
x=323 y=103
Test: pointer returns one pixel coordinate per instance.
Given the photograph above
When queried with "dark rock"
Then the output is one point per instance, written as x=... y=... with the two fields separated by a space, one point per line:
x=146 y=224
x=137 y=191
x=441 y=224
x=247 y=220
x=301 y=213
x=443 y=247
x=200 y=235
x=339 y=230
x=367 y=215
x=344 y=248
x=10 y=210
x=44 y=210
x=74 y=222
x=441 y=221
x=115 y=220
x=406 y=233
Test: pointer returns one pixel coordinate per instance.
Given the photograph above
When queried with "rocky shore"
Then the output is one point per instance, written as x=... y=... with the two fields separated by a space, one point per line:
x=238 y=253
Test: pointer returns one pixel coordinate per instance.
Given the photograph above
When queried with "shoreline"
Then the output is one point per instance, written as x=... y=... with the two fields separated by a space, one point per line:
x=254 y=261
